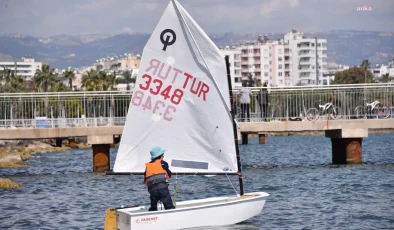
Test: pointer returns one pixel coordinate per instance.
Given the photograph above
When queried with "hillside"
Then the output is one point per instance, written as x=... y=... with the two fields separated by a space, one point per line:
x=344 y=47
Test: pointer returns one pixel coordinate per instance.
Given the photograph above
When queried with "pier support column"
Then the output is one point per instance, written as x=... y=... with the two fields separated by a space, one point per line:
x=346 y=150
x=347 y=145
x=261 y=138
x=101 y=147
x=244 y=138
x=101 y=161
x=59 y=142
x=71 y=142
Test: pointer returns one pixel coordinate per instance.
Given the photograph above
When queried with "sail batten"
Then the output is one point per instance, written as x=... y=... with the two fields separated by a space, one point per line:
x=179 y=102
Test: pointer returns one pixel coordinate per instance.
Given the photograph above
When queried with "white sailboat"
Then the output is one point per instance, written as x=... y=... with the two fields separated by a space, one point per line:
x=181 y=102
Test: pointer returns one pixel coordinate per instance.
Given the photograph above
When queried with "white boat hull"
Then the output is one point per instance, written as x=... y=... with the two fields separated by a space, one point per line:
x=194 y=213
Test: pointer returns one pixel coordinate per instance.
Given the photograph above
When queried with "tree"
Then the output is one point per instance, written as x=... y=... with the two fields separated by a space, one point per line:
x=69 y=75
x=7 y=75
x=250 y=82
x=59 y=87
x=44 y=79
x=127 y=78
x=14 y=85
x=108 y=81
x=365 y=64
x=353 y=75
x=385 y=78
x=90 y=80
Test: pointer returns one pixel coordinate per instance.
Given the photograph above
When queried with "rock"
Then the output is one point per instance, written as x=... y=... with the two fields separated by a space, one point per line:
x=12 y=159
x=7 y=184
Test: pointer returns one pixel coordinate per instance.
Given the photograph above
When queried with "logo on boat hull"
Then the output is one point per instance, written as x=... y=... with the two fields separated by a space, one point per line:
x=146 y=220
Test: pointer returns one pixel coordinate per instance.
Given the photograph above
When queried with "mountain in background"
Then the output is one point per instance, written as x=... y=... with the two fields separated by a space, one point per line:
x=62 y=51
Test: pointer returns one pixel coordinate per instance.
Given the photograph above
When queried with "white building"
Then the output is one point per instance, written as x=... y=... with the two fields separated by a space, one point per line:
x=379 y=70
x=118 y=64
x=234 y=54
x=26 y=67
x=285 y=62
x=309 y=57
x=331 y=70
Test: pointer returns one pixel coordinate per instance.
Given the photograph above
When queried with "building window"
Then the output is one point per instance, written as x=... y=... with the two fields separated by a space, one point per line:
x=265 y=66
x=279 y=58
x=280 y=66
x=280 y=74
x=265 y=74
x=279 y=51
x=266 y=59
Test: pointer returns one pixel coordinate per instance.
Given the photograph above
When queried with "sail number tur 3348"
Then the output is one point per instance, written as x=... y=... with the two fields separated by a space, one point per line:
x=156 y=87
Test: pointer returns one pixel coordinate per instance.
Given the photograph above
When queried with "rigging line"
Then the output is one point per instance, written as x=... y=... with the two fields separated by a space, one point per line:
x=198 y=48
x=232 y=184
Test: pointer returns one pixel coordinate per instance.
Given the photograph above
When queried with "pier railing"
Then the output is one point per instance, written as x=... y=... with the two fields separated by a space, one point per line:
x=83 y=109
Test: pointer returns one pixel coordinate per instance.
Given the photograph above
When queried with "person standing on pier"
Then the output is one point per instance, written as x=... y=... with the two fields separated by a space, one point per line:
x=262 y=98
x=245 y=94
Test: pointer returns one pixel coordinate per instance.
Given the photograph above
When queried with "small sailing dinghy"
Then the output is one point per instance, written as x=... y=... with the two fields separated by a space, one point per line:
x=181 y=102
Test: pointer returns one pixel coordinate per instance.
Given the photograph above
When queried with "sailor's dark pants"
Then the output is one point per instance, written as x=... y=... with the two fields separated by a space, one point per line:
x=162 y=194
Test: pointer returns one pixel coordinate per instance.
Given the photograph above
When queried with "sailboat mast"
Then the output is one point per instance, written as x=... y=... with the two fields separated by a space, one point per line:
x=232 y=106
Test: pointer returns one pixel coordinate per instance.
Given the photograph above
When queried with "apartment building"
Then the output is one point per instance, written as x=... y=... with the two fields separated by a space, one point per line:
x=234 y=54
x=118 y=64
x=26 y=67
x=309 y=57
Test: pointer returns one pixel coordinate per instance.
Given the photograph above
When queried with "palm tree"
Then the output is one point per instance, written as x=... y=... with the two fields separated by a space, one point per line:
x=44 y=78
x=110 y=82
x=70 y=76
x=385 y=78
x=7 y=75
x=90 y=80
x=59 y=87
x=127 y=76
x=365 y=64
x=16 y=85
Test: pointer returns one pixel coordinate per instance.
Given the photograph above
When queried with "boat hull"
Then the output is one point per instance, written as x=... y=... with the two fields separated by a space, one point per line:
x=194 y=213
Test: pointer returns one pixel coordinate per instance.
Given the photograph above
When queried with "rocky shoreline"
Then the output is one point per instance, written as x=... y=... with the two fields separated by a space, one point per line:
x=15 y=153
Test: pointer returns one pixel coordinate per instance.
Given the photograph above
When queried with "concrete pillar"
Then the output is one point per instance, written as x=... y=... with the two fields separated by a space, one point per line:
x=244 y=138
x=101 y=161
x=101 y=145
x=71 y=143
x=261 y=138
x=59 y=142
x=347 y=145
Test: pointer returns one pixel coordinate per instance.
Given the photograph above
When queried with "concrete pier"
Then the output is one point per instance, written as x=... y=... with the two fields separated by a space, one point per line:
x=346 y=145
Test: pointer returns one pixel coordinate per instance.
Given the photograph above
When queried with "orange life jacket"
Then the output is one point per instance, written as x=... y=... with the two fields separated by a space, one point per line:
x=155 y=173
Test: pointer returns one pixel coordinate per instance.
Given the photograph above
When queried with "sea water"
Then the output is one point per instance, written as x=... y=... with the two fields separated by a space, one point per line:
x=59 y=191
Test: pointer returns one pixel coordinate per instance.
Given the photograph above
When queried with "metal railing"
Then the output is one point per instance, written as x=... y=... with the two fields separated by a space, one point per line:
x=293 y=103
x=83 y=109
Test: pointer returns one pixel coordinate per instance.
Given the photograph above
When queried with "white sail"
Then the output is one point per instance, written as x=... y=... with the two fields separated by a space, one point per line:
x=180 y=102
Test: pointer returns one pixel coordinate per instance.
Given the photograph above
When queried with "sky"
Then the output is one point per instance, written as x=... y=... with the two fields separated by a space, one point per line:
x=77 y=17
